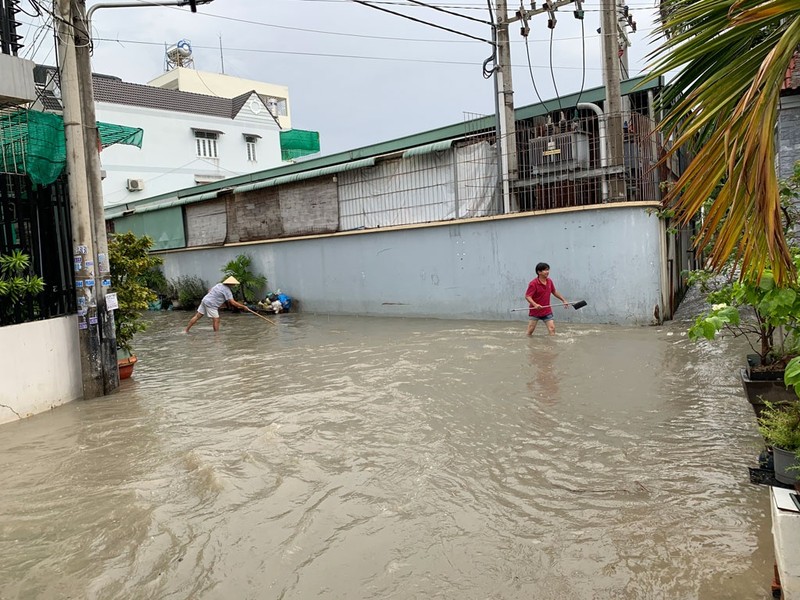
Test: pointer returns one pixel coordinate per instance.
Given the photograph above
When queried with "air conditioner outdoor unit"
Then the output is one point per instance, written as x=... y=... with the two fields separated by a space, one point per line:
x=135 y=185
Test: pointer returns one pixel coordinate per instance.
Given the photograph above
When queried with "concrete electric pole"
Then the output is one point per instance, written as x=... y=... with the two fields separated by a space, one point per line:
x=505 y=106
x=98 y=345
x=82 y=226
x=613 y=105
x=91 y=139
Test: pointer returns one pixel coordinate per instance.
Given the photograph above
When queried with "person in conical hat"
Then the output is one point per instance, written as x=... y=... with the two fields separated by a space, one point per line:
x=217 y=296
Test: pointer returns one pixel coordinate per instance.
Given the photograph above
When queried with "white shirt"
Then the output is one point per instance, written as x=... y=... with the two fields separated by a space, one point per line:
x=218 y=295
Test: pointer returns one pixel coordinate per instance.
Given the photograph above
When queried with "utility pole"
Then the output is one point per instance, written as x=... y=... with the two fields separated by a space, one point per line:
x=82 y=226
x=613 y=105
x=99 y=370
x=91 y=140
x=505 y=106
x=504 y=70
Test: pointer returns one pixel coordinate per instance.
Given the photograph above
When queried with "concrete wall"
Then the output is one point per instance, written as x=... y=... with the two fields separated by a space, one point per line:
x=608 y=255
x=40 y=368
x=16 y=84
x=788 y=135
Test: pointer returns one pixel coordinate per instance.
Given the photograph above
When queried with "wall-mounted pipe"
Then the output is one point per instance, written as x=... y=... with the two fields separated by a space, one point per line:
x=601 y=127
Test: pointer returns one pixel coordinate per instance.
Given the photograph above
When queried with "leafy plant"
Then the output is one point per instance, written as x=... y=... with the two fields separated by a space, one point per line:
x=239 y=268
x=729 y=60
x=780 y=426
x=187 y=291
x=766 y=308
x=16 y=281
x=154 y=279
x=768 y=315
x=130 y=261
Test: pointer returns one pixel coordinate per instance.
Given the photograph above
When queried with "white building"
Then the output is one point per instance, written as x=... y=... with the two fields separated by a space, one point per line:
x=189 y=138
x=276 y=97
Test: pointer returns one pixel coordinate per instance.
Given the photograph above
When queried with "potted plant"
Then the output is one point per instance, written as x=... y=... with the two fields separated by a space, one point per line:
x=768 y=317
x=780 y=426
x=130 y=261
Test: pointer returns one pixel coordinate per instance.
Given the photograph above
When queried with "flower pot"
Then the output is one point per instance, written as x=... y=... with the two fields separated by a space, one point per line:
x=759 y=391
x=784 y=461
x=756 y=372
x=126 y=366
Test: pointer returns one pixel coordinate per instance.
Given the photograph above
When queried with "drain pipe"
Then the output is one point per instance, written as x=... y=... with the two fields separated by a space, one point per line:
x=601 y=126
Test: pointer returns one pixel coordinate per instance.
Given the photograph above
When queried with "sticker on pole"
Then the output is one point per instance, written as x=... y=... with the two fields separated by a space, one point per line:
x=111 y=301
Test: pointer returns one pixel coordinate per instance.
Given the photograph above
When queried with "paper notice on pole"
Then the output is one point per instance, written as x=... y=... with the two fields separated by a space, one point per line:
x=111 y=301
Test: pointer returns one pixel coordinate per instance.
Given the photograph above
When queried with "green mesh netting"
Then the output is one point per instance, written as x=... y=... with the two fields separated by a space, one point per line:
x=298 y=142
x=32 y=143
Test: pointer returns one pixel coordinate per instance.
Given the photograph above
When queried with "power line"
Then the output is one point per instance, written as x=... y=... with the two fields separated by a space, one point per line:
x=367 y=36
x=397 y=14
x=444 y=10
x=552 y=74
x=463 y=5
x=327 y=55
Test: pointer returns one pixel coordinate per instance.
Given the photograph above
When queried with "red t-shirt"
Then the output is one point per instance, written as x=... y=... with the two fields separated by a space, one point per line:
x=540 y=292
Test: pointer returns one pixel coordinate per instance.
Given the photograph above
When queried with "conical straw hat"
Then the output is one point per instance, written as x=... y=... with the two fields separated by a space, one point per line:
x=231 y=281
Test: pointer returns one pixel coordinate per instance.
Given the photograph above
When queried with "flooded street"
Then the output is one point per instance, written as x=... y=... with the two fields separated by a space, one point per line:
x=364 y=458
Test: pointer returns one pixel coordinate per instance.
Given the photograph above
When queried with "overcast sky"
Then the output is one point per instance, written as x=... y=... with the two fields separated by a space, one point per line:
x=355 y=74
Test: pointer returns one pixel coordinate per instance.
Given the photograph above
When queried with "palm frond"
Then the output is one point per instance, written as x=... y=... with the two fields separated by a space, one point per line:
x=731 y=58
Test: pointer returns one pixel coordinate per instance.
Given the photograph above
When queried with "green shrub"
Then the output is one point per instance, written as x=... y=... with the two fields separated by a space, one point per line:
x=780 y=426
x=17 y=282
x=239 y=268
x=187 y=291
x=130 y=259
x=154 y=279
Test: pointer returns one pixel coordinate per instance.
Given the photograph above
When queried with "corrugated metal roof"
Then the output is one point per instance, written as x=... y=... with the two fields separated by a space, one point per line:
x=258 y=185
x=117 y=212
x=428 y=148
x=441 y=134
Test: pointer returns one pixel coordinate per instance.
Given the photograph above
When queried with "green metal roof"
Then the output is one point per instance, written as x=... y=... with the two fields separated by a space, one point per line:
x=424 y=140
x=357 y=164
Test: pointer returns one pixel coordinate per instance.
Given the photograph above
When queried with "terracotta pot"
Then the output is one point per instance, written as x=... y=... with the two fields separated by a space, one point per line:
x=126 y=366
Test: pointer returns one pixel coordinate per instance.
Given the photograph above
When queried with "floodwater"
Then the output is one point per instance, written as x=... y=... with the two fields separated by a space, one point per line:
x=364 y=458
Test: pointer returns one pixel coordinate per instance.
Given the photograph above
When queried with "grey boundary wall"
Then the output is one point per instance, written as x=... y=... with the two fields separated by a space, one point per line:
x=608 y=255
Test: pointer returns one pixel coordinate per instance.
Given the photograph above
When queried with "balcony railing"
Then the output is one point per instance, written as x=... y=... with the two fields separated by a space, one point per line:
x=9 y=38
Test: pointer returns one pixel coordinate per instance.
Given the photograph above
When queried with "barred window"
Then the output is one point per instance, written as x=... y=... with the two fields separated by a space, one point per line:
x=206 y=142
x=250 y=142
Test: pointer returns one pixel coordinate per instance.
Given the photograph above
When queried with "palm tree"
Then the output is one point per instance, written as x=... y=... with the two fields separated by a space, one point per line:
x=239 y=268
x=731 y=57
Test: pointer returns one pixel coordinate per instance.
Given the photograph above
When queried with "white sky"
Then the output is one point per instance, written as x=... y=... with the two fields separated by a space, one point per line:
x=355 y=74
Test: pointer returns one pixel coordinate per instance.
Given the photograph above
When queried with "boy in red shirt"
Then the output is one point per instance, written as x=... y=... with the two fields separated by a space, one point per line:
x=538 y=297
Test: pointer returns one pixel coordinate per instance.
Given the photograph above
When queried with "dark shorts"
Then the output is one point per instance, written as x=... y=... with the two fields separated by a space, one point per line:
x=544 y=318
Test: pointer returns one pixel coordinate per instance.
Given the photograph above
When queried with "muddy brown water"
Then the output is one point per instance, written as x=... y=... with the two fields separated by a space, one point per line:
x=343 y=457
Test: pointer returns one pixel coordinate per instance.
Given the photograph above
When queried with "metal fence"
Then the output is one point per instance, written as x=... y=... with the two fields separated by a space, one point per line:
x=36 y=220
x=456 y=182
x=9 y=38
x=566 y=163
x=561 y=164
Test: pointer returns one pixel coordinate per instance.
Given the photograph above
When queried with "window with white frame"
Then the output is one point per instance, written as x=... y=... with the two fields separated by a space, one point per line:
x=206 y=142
x=276 y=105
x=251 y=141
